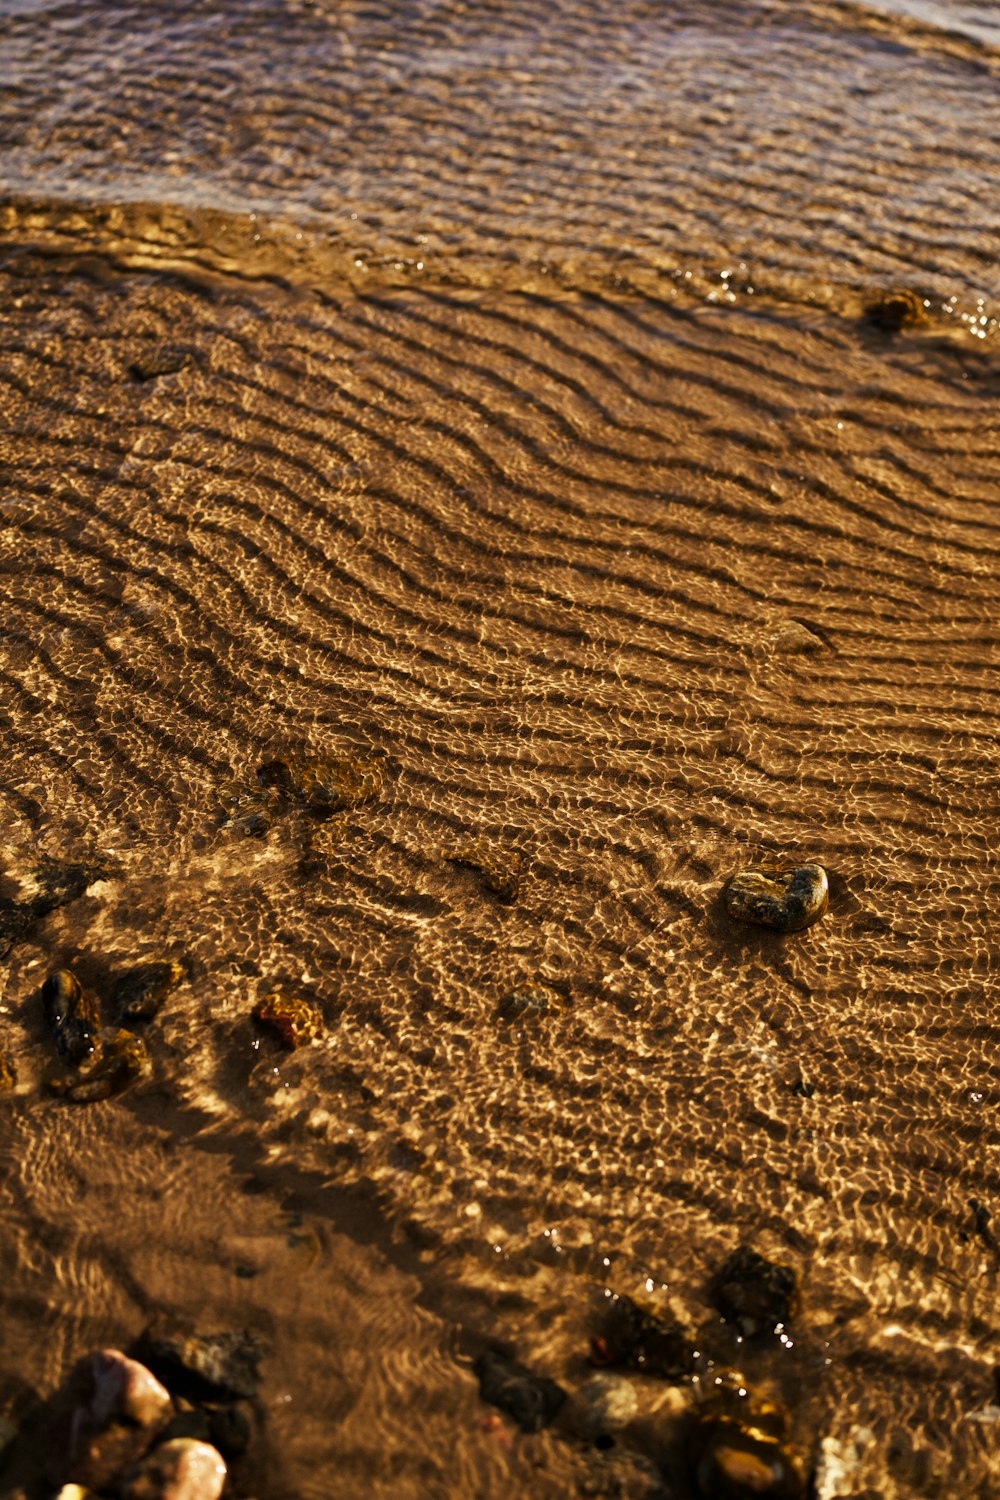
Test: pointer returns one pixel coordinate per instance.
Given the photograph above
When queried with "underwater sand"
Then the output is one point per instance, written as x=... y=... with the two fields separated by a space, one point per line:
x=488 y=387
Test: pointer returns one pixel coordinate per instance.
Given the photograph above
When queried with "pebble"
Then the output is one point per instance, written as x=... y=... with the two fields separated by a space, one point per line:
x=779 y=894
x=124 y=1388
x=73 y=1015
x=167 y=360
x=119 y=1061
x=183 y=1469
x=294 y=1022
x=532 y=1401
x=895 y=308
x=602 y=1407
x=754 y=1293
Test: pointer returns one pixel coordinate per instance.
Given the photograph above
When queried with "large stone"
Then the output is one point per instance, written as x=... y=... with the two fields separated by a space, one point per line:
x=779 y=894
x=754 y=1293
x=530 y=1400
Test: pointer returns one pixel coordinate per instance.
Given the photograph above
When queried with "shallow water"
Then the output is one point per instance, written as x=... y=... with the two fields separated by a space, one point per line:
x=524 y=428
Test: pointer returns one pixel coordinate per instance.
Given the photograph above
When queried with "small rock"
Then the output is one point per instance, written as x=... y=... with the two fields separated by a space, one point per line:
x=73 y=1015
x=895 y=308
x=294 y=1022
x=124 y=1388
x=500 y=869
x=529 y=1002
x=183 y=1469
x=530 y=1400
x=137 y=995
x=324 y=784
x=634 y=1337
x=220 y=1366
x=167 y=360
x=602 y=1407
x=754 y=1293
x=779 y=894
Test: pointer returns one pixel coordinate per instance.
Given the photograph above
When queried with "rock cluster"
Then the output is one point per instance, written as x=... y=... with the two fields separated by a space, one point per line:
x=160 y=1427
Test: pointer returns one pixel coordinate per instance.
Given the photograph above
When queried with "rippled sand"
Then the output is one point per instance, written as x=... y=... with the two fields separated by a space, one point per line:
x=489 y=389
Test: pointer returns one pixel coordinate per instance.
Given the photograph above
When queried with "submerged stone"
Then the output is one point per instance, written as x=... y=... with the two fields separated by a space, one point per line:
x=530 y=1002
x=738 y=1449
x=602 y=1407
x=895 y=308
x=294 y=1022
x=167 y=360
x=532 y=1401
x=138 y=994
x=779 y=894
x=182 y=1469
x=633 y=1337
x=73 y=1015
x=210 y=1367
x=754 y=1293
x=500 y=869
x=325 y=784
x=118 y=1062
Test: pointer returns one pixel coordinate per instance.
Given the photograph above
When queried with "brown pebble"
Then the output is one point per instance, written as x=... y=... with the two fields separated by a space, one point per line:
x=294 y=1022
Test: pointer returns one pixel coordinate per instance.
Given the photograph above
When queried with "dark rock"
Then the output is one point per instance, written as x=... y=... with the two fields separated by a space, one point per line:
x=213 y=1367
x=633 y=1337
x=138 y=994
x=895 y=308
x=755 y=1294
x=779 y=894
x=294 y=1022
x=73 y=1015
x=532 y=1401
x=500 y=869
x=737 y=1448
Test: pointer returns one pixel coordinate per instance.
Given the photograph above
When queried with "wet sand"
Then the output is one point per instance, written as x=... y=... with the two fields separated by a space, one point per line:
x=569 y=478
